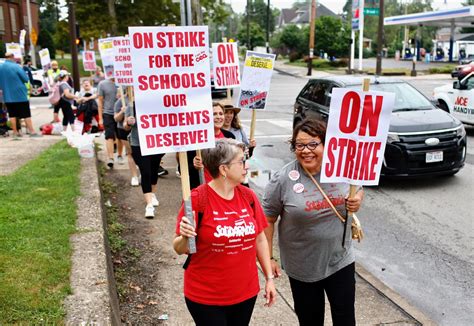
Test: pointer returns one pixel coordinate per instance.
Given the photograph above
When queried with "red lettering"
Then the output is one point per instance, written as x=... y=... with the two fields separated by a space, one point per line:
x=144 y=120
x=143 y=40
x=370 y=115
x=374 y=160
x=342 y=146
x=350 y=108
x=329 y=168
x=351 y=151
x=150 y=141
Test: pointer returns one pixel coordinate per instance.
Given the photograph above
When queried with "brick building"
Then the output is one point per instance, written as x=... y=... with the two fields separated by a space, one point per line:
x=13 y=18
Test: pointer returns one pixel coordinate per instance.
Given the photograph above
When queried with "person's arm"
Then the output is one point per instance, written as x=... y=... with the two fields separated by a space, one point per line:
x=119 y=116
x=269 y=231
x=264 y=261
x=180 y=242
x=100 y=105
x=67 y=94
x=23 y=75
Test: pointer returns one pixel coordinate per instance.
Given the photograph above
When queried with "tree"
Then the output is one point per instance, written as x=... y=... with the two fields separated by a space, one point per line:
x=257 y=36
x=332 y=37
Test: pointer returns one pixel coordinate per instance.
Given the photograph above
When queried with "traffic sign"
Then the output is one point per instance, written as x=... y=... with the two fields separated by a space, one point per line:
x=371 y=11
x=34 y=36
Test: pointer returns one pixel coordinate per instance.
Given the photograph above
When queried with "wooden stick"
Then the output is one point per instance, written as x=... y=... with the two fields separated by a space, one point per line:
x=229 y=97
x=252 y=124
x=202 y=180
x=186 y=189
x=122 y=97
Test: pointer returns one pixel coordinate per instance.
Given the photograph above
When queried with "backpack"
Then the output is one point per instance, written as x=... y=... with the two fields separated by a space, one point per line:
x=203 y=203
x=55 y=95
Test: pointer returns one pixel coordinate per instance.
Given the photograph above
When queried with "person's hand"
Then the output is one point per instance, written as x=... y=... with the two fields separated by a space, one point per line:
x=131 y=121
x=185 y=229
x=252 y=143
x=270 y=293
x=276 y=271
x=197 y=162
x=353 y=204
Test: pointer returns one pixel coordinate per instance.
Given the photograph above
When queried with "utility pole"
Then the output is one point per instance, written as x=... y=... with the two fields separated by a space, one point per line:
x=248 y=25
x=380 y=40
x=311 y=37
x=268 y=26
x=72 y=34
x=30 y=29
x=361 y=33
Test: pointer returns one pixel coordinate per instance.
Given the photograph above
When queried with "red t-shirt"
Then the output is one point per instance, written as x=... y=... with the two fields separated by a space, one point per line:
x=207 y=175
x=223 y=271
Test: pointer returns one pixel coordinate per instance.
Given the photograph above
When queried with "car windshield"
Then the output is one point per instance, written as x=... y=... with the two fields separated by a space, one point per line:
x=407 y=98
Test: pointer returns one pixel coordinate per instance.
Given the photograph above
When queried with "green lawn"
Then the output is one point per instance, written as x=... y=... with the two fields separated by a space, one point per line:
x=37 y=217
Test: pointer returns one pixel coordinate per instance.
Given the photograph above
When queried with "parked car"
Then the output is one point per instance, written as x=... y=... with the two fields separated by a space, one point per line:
x=468 y=59
x=462 y=71
x=423 y=140
x=458 y=98
x=37 y=88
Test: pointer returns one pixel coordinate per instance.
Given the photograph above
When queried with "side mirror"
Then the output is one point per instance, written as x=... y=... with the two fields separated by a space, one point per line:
x=456 y=85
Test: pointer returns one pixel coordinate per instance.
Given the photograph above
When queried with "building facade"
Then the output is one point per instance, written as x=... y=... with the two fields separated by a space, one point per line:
x=14 y=18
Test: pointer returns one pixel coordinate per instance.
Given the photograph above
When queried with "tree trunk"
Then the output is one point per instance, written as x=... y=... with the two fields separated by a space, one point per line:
x=113 y=15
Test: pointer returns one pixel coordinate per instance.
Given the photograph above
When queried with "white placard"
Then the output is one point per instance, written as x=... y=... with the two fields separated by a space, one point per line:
x=225 y=65
x=172 y=87
x=256 y=79
x=122 y=62
x=107 y=52
x=88 y=60
x=14 y=48
x=356 y=135
x=45 y=59
x=22 y=38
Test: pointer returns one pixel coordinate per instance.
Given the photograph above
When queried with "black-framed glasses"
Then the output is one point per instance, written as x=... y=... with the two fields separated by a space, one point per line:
x=311 y=146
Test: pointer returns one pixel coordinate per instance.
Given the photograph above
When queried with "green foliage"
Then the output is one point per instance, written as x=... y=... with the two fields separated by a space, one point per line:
x=61 y=37
x=446 y=69
x=257 y=36
x=332 y=37
x=37 y=218
x=45 y=41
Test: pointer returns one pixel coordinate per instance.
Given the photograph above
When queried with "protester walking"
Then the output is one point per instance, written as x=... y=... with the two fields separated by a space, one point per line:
x=148 y=164
x=67 y=98
x=221 y=279
x=309 y=232
x=15 y=95
x=122 y=134
x=107 y=96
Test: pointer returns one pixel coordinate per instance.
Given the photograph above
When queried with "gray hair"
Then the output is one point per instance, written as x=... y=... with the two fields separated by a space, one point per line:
x=225 y=151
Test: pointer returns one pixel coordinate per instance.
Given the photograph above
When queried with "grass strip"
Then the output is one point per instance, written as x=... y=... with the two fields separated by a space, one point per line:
x=37 y=218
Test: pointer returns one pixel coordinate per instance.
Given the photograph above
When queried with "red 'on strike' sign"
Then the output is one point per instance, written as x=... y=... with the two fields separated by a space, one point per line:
x=351 y=115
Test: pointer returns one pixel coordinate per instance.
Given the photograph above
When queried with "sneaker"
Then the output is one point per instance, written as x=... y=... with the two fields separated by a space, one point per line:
x=149 y=211
x=120 y=160
x=154 y=201
x=135 y=182
x=162 y=171
x=110 y=163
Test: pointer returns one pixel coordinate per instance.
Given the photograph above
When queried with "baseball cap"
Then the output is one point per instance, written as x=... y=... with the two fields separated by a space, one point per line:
x=63 y=73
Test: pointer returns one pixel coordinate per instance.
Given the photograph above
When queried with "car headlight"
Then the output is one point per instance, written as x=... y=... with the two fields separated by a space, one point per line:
x=461 y=131
x=392 y=138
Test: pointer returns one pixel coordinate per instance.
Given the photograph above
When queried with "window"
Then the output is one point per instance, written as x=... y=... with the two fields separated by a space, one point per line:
x=318 y=94
x=13 y=21
x=2 y=21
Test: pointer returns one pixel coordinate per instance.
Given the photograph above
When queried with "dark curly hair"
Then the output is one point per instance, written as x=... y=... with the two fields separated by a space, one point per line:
x=312 y=127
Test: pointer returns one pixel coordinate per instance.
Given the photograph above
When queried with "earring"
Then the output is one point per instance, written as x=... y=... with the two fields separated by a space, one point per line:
x=225 y=176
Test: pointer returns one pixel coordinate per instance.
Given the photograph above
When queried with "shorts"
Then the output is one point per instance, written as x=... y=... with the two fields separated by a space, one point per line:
x=122 y=134
x=110 y=126
x=20 y=110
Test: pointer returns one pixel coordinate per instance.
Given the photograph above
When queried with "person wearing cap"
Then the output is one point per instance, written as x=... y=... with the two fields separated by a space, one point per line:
x=67 y=98
x=15 y=95
x=232 y=124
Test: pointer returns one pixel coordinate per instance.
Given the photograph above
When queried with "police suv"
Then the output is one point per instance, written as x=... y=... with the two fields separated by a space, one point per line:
x=458 y=98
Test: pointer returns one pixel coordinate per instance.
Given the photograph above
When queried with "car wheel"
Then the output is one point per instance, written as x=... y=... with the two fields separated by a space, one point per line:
x=443 y=106
x=36 y=89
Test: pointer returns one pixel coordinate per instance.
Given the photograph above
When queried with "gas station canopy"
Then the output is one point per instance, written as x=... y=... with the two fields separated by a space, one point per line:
x=460 y=17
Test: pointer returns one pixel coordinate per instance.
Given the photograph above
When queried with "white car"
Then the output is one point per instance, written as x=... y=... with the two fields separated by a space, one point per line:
x=458 y=99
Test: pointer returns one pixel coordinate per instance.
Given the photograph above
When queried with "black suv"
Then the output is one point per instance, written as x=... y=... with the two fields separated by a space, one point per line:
x=423 y=140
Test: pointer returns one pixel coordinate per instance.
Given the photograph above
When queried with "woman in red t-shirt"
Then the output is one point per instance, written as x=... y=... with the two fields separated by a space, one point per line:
x=221 y=281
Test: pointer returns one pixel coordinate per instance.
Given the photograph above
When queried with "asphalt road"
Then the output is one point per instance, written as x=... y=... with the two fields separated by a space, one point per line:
x=418 y=233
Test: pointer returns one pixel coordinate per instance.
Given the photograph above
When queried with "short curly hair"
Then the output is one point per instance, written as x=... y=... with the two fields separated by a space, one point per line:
x=312 y=127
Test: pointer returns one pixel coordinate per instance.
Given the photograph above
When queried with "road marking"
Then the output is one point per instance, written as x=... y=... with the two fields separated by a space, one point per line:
x=272 y=136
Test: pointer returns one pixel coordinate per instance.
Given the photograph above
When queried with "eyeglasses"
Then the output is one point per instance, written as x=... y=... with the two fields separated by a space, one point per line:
x=242 y=162
x=311 y=146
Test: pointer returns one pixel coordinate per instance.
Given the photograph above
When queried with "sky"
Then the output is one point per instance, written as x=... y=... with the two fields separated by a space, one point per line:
x=336 y=5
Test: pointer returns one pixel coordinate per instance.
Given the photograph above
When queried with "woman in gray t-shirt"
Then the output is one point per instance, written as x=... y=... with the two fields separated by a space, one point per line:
x=310 y=234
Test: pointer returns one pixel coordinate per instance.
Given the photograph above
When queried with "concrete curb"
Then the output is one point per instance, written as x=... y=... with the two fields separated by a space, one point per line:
x=94 y=298
x=393 y=296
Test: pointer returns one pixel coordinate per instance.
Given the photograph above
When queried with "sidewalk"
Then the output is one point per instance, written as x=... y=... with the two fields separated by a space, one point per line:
x=159 y=268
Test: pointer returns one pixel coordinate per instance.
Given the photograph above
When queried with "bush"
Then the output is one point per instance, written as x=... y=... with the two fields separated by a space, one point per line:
x=293 y=56
x=367 y=53
x=442 y=70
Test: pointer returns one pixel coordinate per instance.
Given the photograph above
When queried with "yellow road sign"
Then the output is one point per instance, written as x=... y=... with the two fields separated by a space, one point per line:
x=34 y=36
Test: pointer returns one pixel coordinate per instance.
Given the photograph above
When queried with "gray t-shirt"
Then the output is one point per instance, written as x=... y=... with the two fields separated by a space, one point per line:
x=239 y=135
x=108 y=90
x=133 y=135
x=309 y=232
x=117 y=108
x=62 y=87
